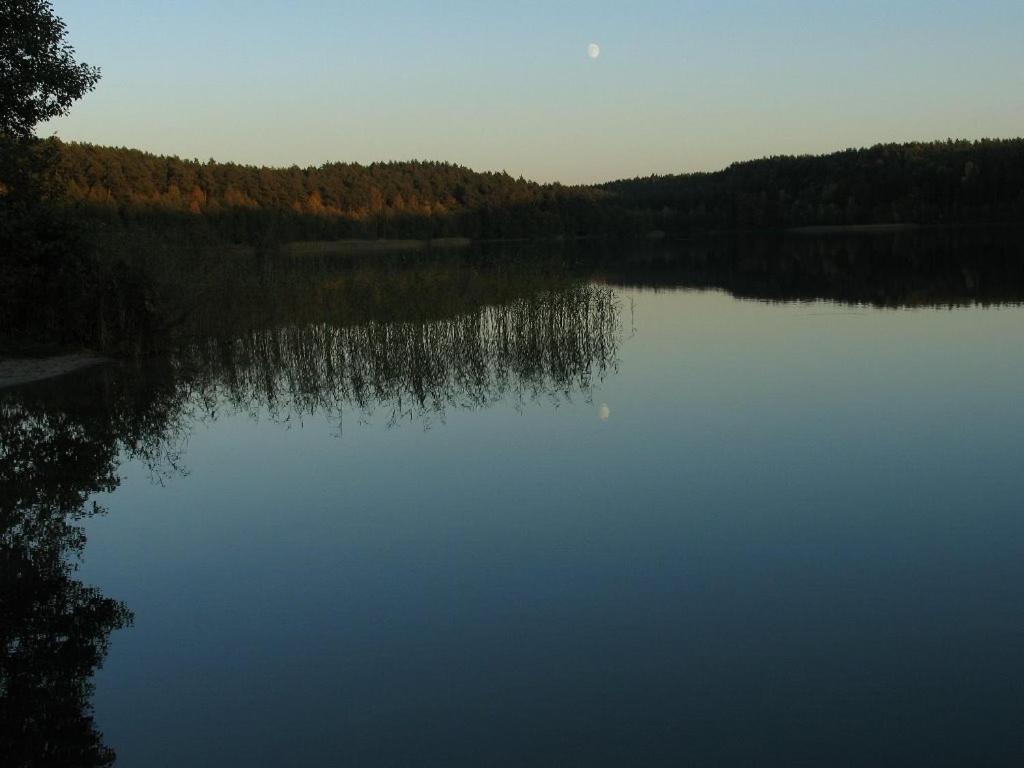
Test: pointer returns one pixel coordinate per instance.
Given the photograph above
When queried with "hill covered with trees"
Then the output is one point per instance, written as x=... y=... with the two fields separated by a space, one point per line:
x=336 y=200
x=924 y=183
x=945 y=182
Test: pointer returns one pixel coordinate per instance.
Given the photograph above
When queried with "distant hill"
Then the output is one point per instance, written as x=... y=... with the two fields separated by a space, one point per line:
x=926 y=183
x=336 y=200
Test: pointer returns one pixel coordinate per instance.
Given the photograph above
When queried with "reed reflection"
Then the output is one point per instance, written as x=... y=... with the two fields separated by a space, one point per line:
x=550 y=344
x=62 y=443
x=406 y=338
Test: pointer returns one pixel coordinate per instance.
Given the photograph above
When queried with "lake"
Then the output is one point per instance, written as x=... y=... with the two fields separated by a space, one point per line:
x=751 y=501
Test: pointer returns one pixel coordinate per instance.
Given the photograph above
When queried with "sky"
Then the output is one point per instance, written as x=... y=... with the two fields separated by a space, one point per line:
x=680 y=85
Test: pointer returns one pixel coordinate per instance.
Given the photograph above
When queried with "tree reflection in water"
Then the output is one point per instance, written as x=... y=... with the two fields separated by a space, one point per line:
x=917 y=268
x=57 y=449
x=411 y=340
x=62 y=442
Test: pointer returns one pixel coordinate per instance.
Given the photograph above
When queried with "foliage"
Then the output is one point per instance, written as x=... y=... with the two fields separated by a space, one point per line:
x=39 y=77
x=54 y=290
x=937 y=183
x=926 y=183
x=333 y=201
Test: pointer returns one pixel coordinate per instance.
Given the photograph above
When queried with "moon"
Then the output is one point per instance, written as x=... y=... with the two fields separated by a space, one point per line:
x=593 y=50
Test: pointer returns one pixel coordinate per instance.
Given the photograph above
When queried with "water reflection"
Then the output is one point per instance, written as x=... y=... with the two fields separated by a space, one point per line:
x=55 y=629
x=405 y=340
x=921 y=268
x=61 y=443
x=550 y=344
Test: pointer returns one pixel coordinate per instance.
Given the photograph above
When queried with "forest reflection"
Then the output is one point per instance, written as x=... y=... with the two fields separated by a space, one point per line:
x=914 y=268
x=412 y=336
x=62 y=442
x=406 y=337
x=58 y=449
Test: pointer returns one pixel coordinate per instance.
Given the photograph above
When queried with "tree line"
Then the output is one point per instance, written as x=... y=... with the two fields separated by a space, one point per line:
x=63 y=205
x=54 y=287
x=416 y=199
x=945 y=182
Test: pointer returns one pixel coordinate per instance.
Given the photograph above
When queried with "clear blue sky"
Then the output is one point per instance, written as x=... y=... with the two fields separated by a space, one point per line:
x=680 y=85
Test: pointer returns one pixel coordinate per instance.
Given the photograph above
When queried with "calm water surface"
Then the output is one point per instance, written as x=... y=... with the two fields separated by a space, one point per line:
x=623 y=517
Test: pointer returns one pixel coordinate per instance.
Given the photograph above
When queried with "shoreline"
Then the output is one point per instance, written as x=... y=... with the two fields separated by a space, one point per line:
x=383 y=245
x=15 y=371
x=839 y=229
x=357 y=246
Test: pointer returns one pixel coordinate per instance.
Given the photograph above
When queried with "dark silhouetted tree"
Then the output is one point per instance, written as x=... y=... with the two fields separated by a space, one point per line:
x=39 y=77
x=53 y=288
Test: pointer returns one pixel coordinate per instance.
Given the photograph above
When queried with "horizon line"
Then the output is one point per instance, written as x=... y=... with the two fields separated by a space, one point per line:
x=504 y=172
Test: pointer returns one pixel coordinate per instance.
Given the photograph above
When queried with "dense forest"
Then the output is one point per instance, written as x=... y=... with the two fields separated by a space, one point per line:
x=924 y=183
x=89 y=234
x=55 y=288
x=951 y=182
x=333 y=201
x=101 y=222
